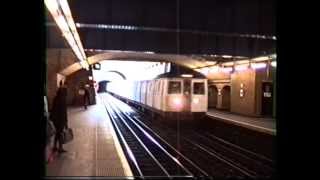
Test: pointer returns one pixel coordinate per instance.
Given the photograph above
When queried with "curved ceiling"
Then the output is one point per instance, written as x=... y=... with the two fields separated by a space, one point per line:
x=137 y=56
x=228 y=27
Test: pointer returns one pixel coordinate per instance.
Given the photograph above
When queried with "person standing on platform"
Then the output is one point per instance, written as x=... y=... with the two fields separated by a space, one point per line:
x=86 y=97
x=59 y=115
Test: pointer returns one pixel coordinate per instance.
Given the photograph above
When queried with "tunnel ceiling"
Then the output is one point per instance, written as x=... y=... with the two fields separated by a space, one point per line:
x=222 y=27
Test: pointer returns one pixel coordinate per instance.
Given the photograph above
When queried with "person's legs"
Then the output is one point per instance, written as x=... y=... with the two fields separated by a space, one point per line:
x=85 y=102
x=61 y=150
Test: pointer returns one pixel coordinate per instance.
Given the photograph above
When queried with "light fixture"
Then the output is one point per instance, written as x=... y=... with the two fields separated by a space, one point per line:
x=262 y=58
x=61 y=13
x=177 y=102
x=226 y=56
x=187 y=75
x=90 y=78
x=274 y=63
x=149 y=52
x=204 y=70
x=258 y=65
x=273 y=56
x=243 y=62
x=84 y=64
x=241 y=67
x=214 y=69
x=228 y=63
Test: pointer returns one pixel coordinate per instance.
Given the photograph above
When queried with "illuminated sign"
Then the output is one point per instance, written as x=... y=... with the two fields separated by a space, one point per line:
x=267 y=94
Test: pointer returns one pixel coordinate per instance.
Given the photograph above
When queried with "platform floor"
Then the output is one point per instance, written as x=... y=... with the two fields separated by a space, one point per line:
x=265 y=125
x=94 y=150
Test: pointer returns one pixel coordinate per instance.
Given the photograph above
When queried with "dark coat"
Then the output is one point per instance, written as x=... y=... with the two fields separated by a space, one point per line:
x=86 y=96
x=58 y=113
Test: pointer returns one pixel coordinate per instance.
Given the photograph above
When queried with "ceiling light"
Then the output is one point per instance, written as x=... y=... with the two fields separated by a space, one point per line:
x=228 y=63
x=214 y=69
x=63 y=19
x=258 y=65
x=226 y=56
x=263 y=58
x=187 y=75
x=241 y=67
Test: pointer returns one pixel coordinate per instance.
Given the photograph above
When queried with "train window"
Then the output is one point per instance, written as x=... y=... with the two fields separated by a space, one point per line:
x=174 y=87
x=198 y=88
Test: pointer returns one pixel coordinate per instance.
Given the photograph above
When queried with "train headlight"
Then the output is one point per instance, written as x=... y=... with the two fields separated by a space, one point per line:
x=177 y=102
x=195 y=100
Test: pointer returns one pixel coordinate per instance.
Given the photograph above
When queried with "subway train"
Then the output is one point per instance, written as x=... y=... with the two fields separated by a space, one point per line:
x=170 y=95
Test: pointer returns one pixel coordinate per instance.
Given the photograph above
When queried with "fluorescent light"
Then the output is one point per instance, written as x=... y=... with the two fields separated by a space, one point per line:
x=84 y=64
x=241 y=67
x=63 y=19
x=67 y=12
x=198 y=70
x=274 y=63
x=186 y=75
x=149 y=52
x=273 y=56
x=214 y=69
x=258 y=65
x=228 y=64
x=243 y=62
x=205 y=71
x=263 y=58
x=226 y=56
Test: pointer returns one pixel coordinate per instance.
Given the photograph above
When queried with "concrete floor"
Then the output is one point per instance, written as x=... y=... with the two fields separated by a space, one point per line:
x=266 y=125
x=94 y=150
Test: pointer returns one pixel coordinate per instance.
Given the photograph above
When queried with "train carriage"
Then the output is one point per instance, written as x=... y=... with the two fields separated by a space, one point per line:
x=169 y=95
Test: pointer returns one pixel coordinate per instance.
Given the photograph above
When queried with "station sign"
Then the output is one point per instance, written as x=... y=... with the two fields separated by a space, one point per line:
x=267 y=94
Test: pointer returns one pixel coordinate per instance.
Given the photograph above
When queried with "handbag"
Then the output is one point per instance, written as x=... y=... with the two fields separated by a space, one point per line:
x=67 y=135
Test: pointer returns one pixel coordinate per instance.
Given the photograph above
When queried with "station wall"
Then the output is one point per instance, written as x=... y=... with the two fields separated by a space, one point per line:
x=250 y=81
x=219 y=80
x=247 y=103
x=75 y=81
x=261 y=76
x=57 y=60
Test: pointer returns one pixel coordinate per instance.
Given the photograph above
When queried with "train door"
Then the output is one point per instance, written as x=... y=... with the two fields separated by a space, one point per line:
x=267 y=99
x=187 y=94
x=199 y=96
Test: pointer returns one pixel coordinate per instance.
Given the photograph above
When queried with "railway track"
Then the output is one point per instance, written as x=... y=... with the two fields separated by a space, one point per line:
x=252 y=164
x=148 y=158
x=204 y=154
